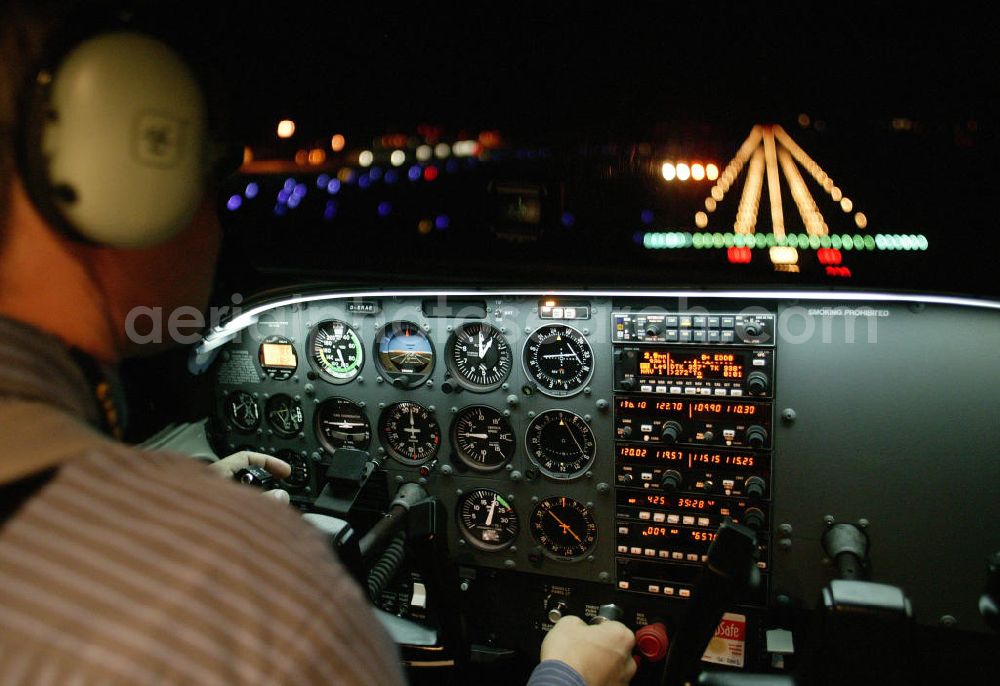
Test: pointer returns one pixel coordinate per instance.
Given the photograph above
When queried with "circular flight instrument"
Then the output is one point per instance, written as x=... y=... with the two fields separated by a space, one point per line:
x=479 y=357
x=486 y=520
x=342 y=423
x=559 y=359
x=284 y=415
x=403 y=354
x=561 y=443
x=243 y=411
x=483 y=438
x=277 y=357
x=335 y=351
x=564 y=528
x=300 y=469
x=409 y=432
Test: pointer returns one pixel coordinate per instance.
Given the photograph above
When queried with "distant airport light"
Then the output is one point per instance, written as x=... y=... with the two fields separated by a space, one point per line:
x=317 y=156
x=397 y=158
x=424 y=153
x=697 y=171
x=234 y=202
x=430 y=173
x=783 y=254
x=301 y=157
x=251 y=190
x=861 y=220
x=669 y=171
x=425 y=226
x=414 y=172
x=846 y=205
x=683 y=172
x=286 y=128
x=465 y=148
x=711 y=172
x=247 y=154
x=337 y=142
x=366 y=158
x=701 y=220
x=442 y=150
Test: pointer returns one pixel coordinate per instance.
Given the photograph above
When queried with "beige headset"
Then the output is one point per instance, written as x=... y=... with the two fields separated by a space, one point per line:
x=114 y=139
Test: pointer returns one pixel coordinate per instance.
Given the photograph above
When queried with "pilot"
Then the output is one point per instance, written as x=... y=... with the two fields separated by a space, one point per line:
x=116 y=565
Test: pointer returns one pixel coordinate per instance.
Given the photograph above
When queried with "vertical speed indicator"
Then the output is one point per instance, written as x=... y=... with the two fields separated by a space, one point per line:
x=559 y=359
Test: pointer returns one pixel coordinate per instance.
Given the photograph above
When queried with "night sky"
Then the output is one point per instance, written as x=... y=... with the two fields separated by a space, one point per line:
x=669 y=73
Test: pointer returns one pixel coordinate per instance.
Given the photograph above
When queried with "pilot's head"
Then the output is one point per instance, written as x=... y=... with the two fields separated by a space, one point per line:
x=104 y=152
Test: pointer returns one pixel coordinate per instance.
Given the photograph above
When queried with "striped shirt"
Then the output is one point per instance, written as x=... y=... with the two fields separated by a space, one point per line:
x=143 y=568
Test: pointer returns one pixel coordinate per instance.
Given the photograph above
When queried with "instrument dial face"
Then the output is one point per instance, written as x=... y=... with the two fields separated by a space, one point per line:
x=277 y=357
x=559 y=359
x=243 y=411
x=300 y=469
x=483 y=438
x=335 y=351
x=479 y=357
x=341 y=423
x=403 y=354
x=561 y=443
x=284 y=415
x=486 y=520
x=564 y=528
x=409 y=432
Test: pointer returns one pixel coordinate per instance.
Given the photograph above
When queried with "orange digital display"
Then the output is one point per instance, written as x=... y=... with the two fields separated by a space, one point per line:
x=278 y=355
x=696 y=366
x=691 y=458
x=692 y=409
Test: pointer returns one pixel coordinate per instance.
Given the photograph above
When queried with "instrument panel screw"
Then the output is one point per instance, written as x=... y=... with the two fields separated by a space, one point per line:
x=604 y=576
x=829 y=520
x=788 y=414
x=379 y=379
x=381 y=406
x=602 y=404
x=453 y=410
x=586 y=332
x=785 y=543
x=361 y=379
x=447 y=469
x=785 y=529
x=527 y=329
x=399 y=478
x=590 y=558
x=587 y=391
x=603 y=487
x=587 y=418
x=449 y=328
x=948 y=621
x=513 y=549
x=459 y=491
x=863 y=523
x=531 y=414
x=431 y=408
x=508 y=563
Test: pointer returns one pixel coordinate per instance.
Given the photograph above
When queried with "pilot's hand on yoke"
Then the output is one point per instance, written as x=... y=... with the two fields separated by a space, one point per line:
x=601 y=653
x=227 y=467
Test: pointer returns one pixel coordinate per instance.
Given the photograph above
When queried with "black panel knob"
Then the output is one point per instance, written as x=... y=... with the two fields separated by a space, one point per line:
x=628 y=384
x=755 y=487
x=753 y=518
x=653 y=330
x=756 y=436
x=757 y=383
x=753 y=329
x=670 y=432
x=671 y=480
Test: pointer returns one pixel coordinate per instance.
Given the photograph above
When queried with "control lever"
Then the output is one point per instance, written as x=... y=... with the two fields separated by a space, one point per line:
x=847 y=545
x=730 y=569
x=608 y=613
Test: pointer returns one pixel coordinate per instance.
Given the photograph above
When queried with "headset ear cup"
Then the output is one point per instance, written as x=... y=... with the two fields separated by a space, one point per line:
x=116 y=141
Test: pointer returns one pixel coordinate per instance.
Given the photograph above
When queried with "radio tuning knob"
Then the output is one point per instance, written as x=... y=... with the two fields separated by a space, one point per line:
x=753 y=518
x=756 y=436
x=652 y=331
x=628 y=384
x=757 y=383
x=753 y=329
x=671 y=480
x=754 y=487
x=670 y=432
x=626 y=431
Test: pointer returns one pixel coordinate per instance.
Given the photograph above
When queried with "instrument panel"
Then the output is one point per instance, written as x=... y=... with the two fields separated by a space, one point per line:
x=592 y=445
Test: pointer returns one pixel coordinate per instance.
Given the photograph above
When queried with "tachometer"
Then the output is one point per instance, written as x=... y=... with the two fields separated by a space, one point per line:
x=342 y=423
x=242 y=410
x=561 y=444
x=479 y=357
x=559 y=359
x=564 y=528
x=409 y=432
x=335 y=351
x=486 y=520
x=483 y=438
x=284 y=415
x=404 y=355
